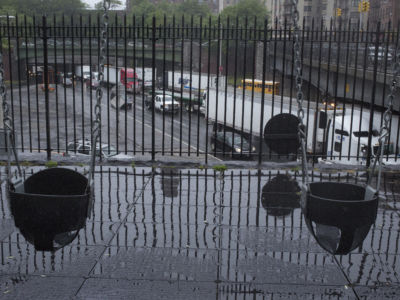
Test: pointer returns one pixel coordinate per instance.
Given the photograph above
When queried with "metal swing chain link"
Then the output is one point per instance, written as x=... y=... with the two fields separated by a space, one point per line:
x=299 y=83
x=387 y=116
x=7 y=121
x=99 y=92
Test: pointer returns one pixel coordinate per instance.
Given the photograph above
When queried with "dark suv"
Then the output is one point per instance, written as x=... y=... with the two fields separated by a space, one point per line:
x=231 y=144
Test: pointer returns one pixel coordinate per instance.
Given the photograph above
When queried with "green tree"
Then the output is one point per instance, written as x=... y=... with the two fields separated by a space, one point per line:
x=42 y=7
x=249 y=9
x=188 y=8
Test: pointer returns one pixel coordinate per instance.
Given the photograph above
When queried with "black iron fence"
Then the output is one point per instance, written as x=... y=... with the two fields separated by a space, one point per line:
x=195 y=88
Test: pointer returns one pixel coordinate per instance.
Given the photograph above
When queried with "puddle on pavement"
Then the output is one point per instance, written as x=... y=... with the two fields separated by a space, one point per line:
x=244 y=226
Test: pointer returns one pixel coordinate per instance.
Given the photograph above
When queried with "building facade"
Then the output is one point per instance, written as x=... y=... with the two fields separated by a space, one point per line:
x=325 y=12
x=386 y=12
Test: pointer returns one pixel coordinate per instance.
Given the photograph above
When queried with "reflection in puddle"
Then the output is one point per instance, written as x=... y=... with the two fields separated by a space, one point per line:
x=170 y=182
x=280 y=195
x=162 y=226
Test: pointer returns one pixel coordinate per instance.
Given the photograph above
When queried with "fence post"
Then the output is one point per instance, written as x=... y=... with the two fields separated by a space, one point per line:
x=46 y=86
x=153 y=63
x=371 y=116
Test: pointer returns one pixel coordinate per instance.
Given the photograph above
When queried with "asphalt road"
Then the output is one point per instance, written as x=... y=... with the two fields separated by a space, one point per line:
x=71 y=110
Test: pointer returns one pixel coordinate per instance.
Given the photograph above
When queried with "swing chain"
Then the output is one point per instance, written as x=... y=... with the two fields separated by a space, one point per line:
x=96 y=130
x=7 y=122
x=387 y=116
x=299 y=83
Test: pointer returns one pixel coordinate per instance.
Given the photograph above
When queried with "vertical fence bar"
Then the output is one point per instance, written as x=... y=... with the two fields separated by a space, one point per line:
x=372 y=106
x=236 y=38
x=28 y=86
x=117 y=83
x=73 y=80
x=347 y=43
x=172 y=82
x=354 y=88
x=329 y=33
x=274 y=39
x=190 y=82
x=46 y=86
x=125 y=38
x=208 y=88
x=224 y=36
x=164 y=38
x=264 y=67
x=89 y=88
x=244 y=77
x=217 y=78
x=136 y=82
x=387 y=38
x=82 y=79
x=363 y=87
x=11 y=73
x=199 y=96
x=142 y=87
x=19 y=82
x=153 y=89
x=65 y=90
x=56 y=84
x=338 y=44
x=252 y=82
x=181 y=89
x=398 y=124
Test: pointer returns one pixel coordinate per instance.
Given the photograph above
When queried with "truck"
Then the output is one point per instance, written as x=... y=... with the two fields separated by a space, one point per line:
x=145 y=76
x=162 y=102
x=333 y=134
x=190 y=101
x=125 y=77
x=177 y=80
x=82 y=72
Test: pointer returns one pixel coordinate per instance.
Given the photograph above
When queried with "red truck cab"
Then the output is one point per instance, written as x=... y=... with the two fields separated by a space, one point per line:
x=132 y=82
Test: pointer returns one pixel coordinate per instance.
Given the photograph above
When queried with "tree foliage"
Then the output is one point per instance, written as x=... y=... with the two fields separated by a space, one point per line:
x=246 y=9
x=169 y=10
x=41 y=7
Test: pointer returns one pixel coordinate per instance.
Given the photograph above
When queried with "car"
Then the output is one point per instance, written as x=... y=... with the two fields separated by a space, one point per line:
x=222 y=142
x=83 y=147
x=92 y=84
x=162 y=103
x=122 y=102
x=66 y=79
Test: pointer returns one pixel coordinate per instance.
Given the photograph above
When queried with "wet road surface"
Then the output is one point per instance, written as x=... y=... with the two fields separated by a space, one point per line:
x=195 y=234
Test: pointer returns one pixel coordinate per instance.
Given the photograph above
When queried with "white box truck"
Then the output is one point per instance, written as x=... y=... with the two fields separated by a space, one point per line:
x=193 y=81
x=82 y=72
x=332 y=134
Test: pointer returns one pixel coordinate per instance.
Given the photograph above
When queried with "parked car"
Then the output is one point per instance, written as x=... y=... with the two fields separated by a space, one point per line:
x=222 y=143
x=83 y=147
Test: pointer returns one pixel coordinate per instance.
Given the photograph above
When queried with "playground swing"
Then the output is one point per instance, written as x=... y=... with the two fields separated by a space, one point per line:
x=339 y=215
x=51 y=197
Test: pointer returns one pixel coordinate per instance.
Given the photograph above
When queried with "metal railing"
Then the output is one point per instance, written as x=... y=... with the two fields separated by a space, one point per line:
x=179 y=88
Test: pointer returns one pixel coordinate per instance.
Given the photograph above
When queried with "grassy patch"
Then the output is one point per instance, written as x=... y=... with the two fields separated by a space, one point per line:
x=51 y=164
x=295 y=169
x=220 y=168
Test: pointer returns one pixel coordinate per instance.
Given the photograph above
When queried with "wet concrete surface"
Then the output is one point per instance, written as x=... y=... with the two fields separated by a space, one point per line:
x=196 y=234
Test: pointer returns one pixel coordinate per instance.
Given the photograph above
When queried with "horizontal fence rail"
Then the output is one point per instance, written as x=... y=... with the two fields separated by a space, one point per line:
x=194 y=87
